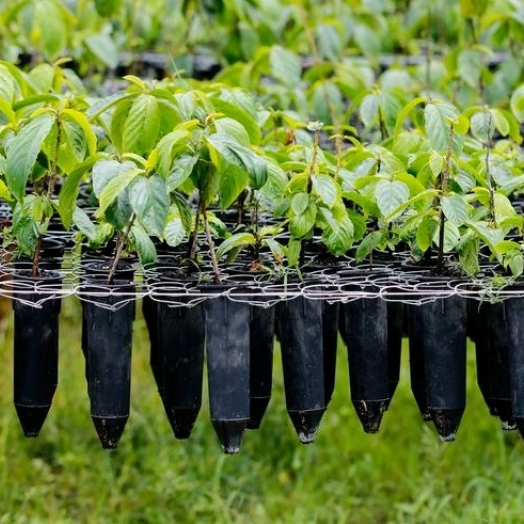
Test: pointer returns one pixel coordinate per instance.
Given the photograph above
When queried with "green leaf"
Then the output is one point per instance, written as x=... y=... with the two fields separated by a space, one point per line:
x=425 y=233
x=233 y=242
x=368 y=245
x=184 y=210
x=105 y=170
x=300 y=202
x=69 y=192
x=83 y=223
x=468 y=252
x=81 y=119
x=183 y=167
x=22 y=152
x=339 y=239
x=142 y=125
x=241 y=156
x=436 y=163
x=143 y=244
x=150 y=202
x=165 y=148
x=293 y=250
x=104 y=48
x=327 y=189
x=115 y=187
x=390 y=195
x=232 y=182
x=437 y=129
x=517 y=103
x=369 y=109
x=174 y=232
x=233 y=129
x=451 y=236
x=455 y=209
x=107 y=7
x=470 y=67
x=285 y=66
x=482 y=126
x=241 y=115
x=503 y=207
x=301 y=225
x=50 y=28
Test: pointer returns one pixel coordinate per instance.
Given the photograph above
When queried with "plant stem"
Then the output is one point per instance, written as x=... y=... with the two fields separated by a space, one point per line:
x=489 y=181
x=444 y=188
x=119 y=247
x=194 y=238
x=211 y=245
x=36 y=257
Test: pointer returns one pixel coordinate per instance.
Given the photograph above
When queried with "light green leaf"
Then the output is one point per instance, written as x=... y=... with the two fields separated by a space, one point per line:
x=235 y=241
x=301 y=225
x=285 y=66
x=174 y=232
x=50 y=28
x=233 y=129
x=517 y=103
x=22 y=152
x=183 y=166
x=81 y=119
x=369 y=109
x=451 y=237
x=482 y=126
x=327 y=189
x=115 y=187
x=105 y=170
x=83 y=223
x=390 y=195
x=425 y=233
x=455 y=209
x=470 y=67
x=142 y=125
x=165 y=150
x=300 y=202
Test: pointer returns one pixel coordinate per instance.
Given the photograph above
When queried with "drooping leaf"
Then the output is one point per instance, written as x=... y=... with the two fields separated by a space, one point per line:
x=301 y=225
x=106 y=169
x=300 y=202
x=174 y=232
x=233 y=242
x=390 y=195
x=115 y=187
x=327 y=189
x=455 y=209
x=22 y=152
x=143 y=244
x=150 y=202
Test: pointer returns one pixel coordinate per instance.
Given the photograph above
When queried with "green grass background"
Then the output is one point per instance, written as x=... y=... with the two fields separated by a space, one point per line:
x=402 y=475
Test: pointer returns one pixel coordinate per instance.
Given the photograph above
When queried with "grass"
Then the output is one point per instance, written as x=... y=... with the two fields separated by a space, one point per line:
x=402 y=475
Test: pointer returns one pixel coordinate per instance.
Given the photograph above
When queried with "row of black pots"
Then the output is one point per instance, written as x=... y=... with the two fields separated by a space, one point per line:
x=238 y=338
